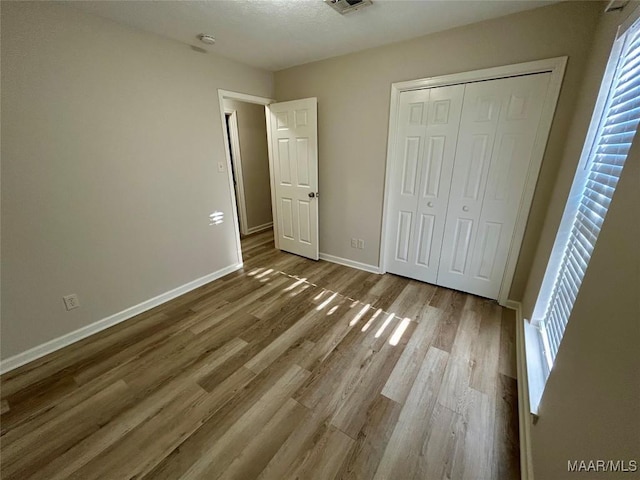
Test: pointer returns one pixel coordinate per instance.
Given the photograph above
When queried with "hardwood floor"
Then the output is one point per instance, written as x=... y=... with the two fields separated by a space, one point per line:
x=287 y=369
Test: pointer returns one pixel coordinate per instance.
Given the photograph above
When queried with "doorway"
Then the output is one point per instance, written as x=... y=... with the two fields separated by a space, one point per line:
x=249 y=156
x=292 y=151
x=228 y=119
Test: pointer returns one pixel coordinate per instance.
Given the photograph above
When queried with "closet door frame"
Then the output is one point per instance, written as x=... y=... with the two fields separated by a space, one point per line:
x=554 y=66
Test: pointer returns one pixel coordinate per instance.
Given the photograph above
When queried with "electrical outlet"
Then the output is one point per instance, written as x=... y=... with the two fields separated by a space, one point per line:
x=354 y=243
x=360 y=243
x=71 y=301
x=220 y=167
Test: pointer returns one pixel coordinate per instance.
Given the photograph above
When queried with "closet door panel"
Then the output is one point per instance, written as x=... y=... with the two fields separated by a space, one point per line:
x=442 y=134
x=506 y=179
x=480 y=116
x=428 y=127
x=498 y=129
x=405 y=176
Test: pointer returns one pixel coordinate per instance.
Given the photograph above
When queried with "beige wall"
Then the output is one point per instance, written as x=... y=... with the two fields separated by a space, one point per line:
x=590 y=409
x=252 y=133
x=353 y=113
x=110 y=138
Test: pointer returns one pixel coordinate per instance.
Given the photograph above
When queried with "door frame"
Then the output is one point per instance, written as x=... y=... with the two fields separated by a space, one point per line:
x=556 y=67
x=243 y=97
x=236 y=165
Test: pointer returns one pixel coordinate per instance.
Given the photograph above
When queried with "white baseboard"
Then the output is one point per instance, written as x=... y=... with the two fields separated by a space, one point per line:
x=350 y=263
x=524 y=410
x=72 y=337
x=260 y=228
x=513 y=305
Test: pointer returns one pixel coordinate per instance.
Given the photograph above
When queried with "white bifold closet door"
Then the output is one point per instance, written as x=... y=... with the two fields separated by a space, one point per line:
x=480 y=185
x=420 y=181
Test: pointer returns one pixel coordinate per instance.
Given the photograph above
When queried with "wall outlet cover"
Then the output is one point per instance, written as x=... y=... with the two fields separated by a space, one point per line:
x=71 y=301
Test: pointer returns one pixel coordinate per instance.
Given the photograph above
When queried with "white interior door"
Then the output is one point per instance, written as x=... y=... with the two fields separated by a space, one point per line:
x=420 y=181
x=498 y=129
x=293 y=152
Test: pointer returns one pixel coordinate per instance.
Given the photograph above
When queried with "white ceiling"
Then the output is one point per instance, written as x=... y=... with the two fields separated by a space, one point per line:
x=276 y=34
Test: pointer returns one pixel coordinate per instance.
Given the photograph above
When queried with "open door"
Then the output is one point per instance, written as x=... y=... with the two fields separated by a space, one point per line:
x=292 y=128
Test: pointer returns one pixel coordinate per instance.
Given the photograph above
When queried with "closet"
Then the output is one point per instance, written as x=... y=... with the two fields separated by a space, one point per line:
x=457 y=175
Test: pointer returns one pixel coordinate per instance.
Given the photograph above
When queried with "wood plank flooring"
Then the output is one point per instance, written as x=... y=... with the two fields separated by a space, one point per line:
x=286 y=369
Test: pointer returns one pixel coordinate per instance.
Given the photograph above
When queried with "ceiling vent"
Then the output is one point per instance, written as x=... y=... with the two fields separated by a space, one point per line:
x=347 y=6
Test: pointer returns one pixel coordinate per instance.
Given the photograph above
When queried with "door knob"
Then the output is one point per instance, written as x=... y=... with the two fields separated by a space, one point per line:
x=429 y=204
x=312 y=195
x=465 y=209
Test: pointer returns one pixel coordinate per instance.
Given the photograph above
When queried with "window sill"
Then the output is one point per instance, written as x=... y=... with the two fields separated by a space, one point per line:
x=537 y=373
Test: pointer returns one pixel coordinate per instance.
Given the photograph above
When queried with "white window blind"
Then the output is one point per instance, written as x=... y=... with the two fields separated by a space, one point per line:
x=618 y=125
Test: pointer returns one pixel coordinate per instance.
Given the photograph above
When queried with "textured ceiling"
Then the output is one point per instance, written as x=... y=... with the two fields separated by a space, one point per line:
x=277 y=34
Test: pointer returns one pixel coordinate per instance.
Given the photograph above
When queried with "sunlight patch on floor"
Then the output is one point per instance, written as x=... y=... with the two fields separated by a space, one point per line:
x=294 y=285
x=359 y=315
x=399 y=331
x=371 y=320
x=301 y=289
x=385 y=324
x=300 y=284
x=266 y=272
x=332 y=310
x=255 y=271
x=326 y=302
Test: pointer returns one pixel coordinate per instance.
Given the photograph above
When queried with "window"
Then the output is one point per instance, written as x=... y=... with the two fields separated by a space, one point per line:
x=614 y=126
